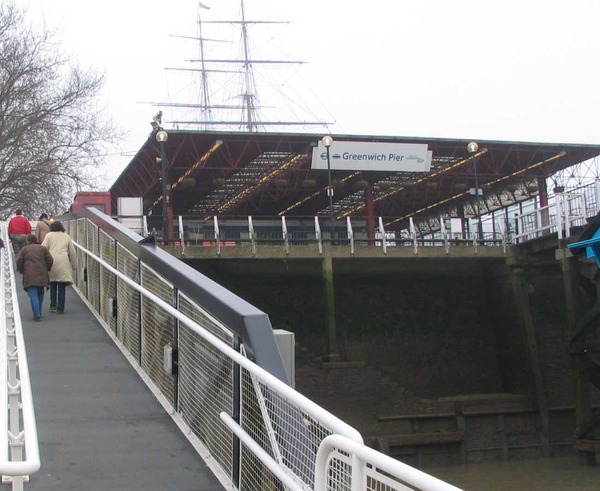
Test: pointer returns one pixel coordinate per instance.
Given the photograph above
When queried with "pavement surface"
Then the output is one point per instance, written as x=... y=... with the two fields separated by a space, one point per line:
x=99 y=426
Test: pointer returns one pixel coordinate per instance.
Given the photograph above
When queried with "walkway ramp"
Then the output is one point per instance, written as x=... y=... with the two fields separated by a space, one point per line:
x=175 y=358
x=99 y=426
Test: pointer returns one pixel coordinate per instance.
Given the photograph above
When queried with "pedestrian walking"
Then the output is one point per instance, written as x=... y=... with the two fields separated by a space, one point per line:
x=34 y=262
x=42 y=227
x=18 y=228
x=61 y=248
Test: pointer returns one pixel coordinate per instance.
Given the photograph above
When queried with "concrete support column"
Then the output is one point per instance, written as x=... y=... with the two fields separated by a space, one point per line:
x=581 y=380
x=370 y=209
x=332 y=348
x=521 y=291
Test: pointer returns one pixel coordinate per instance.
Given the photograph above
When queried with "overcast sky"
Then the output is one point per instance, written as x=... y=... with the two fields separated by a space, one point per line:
x=516 y=70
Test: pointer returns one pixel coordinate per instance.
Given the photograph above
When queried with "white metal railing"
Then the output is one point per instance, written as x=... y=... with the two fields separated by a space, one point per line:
x=375 y=471
x=252 y=235
x=286 y=236
x=319 y=235
x=181 y=236
x=365 y=468
x=280 y=428
x=535 y=224
x=19 y=449
x=224 y=232
x=350 y=233
x=565 y=211
x=571 y=208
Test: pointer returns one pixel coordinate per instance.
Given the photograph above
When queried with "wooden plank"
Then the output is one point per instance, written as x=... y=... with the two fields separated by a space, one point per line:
x=401 y=417
x=475 y=412
x=587 y=445
x=435 y=438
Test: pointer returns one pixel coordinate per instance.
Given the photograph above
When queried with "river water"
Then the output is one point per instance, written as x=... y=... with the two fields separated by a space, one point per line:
x=563 y=474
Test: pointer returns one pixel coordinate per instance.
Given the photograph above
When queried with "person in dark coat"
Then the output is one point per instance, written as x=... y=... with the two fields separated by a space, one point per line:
x=34 y=262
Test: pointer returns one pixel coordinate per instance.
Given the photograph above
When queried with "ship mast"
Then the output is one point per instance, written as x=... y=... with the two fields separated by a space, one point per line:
x=249 y=106
x=248 y=74
x=205 y=95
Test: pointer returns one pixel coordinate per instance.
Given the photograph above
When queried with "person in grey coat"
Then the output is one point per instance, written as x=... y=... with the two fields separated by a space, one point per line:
x=34 y=262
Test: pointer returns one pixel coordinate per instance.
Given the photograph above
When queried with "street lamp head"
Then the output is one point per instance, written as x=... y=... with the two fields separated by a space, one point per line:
x=162 y=136
x=327 y=141
x=472 y=147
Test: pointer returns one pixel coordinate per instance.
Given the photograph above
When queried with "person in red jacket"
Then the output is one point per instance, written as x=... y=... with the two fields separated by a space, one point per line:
x=18 y=228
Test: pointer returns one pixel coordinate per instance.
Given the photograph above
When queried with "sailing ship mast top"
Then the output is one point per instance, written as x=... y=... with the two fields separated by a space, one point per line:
x=250 y=118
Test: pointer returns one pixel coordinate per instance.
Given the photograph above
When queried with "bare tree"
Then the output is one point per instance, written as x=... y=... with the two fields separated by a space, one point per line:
x=53 y=135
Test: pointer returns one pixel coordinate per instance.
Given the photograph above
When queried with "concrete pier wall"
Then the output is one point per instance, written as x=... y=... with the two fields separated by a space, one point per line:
x=424 y=336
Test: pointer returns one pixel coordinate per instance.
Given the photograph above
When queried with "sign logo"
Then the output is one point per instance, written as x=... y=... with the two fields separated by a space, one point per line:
x=331 y=156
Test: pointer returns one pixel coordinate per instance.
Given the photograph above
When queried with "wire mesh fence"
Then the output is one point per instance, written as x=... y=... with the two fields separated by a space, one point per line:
x=258 y=431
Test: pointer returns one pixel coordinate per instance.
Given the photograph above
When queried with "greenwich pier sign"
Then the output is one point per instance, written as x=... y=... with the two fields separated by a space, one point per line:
x=365 y=156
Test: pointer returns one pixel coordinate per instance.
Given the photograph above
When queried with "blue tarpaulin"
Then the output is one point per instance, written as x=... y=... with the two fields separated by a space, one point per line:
x=592 y=246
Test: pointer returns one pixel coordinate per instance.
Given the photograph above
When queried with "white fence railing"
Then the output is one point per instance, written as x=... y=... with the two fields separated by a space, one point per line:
x=565 y=211
x=528 y=221
x=19 y=450
x=252 y=428
x=370 y=469
x=252 y=233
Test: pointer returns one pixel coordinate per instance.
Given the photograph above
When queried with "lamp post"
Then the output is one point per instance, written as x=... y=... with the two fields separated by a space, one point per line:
x=161 y=137
x=473 y=148
x=327 y=141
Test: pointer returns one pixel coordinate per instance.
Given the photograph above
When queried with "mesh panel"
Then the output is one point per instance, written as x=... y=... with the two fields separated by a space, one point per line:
x=80 y=280
x=339 y=476
x=128 y=303
x=71 y=229
x=205 y=384
x=93 y=267
x=108 y=288
x=376 y=481
x=91 y=237
x=339 y=472
x=280 y=428
x=158 y=330
x=254 y=476
x=81 y=231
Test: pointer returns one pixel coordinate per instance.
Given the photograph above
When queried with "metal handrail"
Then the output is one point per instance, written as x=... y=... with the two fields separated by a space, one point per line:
x=259 y=453
x=19 y=446
x=554 y=217
x=313 y=411
x=261 y=374
x=380 y=464
x=246 y=235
